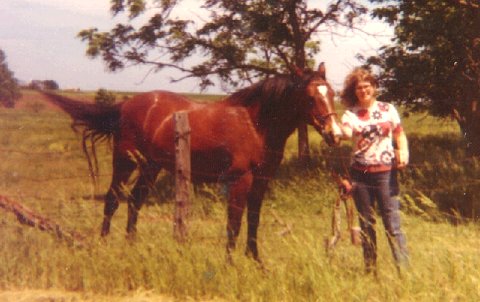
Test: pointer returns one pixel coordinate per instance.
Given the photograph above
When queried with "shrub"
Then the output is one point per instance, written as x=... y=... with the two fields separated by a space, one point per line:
x=105 y=97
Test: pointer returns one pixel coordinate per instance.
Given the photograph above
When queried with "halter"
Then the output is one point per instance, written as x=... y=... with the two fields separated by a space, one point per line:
x=323 y=118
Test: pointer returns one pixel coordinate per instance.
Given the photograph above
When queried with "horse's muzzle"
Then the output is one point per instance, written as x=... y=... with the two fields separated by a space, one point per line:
x=330 y=138
x=327 y=126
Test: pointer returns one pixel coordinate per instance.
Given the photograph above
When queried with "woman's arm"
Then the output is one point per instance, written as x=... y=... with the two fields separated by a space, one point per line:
x=401 y=148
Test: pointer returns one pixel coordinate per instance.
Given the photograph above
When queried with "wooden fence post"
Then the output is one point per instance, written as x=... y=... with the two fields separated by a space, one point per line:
x=182 y=175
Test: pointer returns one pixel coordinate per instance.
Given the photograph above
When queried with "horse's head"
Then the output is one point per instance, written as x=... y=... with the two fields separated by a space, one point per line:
x=319 y=109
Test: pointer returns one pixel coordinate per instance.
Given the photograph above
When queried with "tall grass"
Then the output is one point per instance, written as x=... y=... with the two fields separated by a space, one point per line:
x=44 y=168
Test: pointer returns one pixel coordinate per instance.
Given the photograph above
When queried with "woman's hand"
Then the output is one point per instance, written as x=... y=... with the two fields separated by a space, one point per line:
x=346 y=131
x=402 y=157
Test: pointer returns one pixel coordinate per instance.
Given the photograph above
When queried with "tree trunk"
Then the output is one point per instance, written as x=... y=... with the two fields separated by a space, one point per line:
x=471 y=134
x=303 y=146
x=469 y=123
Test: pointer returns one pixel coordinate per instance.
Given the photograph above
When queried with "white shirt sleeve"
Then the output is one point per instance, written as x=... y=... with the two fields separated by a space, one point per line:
x=394 y=116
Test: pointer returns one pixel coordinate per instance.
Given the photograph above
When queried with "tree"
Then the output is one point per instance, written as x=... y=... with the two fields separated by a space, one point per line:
x=51 y=84
x=434 y=62
x=241 y=41
x=9 y=90
x=105 y=97
x=43 y=84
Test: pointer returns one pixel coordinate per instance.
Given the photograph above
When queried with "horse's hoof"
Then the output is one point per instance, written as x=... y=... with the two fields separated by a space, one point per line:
x=229 y=259
x=131 y=236
x=263 y=268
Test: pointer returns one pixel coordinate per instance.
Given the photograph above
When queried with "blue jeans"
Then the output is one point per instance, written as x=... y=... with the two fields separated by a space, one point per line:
x=380 y=187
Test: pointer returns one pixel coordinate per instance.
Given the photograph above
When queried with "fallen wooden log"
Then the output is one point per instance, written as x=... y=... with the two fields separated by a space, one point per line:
x=28 y=217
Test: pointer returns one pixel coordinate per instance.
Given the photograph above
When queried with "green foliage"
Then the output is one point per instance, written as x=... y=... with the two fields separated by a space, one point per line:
x=105 y=97
x=434 y=61
x=239 y=41
x=9 y=91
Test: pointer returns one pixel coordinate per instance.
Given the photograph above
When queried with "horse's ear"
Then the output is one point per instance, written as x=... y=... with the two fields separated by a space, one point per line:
x=322 y=70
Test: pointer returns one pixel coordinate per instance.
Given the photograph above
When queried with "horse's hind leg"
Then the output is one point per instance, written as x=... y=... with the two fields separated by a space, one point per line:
x=138 y=195
x=236 y=205
x=122 y=169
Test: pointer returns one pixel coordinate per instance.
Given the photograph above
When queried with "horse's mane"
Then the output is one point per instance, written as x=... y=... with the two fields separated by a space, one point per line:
x=267 y=91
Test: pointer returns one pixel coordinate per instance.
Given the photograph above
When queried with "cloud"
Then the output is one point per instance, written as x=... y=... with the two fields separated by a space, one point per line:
x=87 y=7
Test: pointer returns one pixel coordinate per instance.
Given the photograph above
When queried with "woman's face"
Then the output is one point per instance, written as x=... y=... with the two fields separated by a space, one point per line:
x=365 y=93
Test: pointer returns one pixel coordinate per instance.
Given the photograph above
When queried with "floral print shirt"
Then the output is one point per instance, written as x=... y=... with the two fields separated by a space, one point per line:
x=371 y=131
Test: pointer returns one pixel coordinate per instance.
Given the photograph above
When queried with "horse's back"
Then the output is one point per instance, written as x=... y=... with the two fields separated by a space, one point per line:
x=155 y=105
x=142 y=115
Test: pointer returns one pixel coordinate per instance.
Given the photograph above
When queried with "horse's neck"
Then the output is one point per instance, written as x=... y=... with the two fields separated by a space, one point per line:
x=276 y=128
x=276 y=138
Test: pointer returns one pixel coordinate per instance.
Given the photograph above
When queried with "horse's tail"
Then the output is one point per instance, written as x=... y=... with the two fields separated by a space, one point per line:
x=94 y=121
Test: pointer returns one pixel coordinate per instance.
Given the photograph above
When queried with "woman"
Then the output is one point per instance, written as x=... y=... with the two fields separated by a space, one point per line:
x=374 y=127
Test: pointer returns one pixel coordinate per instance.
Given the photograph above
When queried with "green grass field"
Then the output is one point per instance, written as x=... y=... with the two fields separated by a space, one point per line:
x=43 y=167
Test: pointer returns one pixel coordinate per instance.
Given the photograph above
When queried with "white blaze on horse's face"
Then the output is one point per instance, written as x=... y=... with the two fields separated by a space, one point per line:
x=323 y=90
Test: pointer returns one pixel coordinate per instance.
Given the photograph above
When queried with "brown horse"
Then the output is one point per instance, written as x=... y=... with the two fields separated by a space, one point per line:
x=239 y=140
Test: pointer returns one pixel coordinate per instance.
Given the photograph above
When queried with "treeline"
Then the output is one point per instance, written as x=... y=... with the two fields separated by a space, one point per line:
x=42 y=84
x=10 y=86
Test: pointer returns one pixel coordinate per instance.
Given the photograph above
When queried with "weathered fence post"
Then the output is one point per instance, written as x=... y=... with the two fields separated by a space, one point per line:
x=182 y=174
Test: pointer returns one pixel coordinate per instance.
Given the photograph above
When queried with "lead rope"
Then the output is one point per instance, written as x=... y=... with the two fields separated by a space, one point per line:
x=345 y=197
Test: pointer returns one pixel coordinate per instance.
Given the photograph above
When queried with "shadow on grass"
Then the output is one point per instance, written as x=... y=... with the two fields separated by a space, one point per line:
x=440 y=171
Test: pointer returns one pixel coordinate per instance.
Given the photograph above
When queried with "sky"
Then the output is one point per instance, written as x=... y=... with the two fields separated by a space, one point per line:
x=39 y=38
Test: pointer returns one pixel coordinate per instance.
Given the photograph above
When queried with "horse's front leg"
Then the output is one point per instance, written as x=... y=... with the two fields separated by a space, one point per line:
x=255 y=200
x=237 y=201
